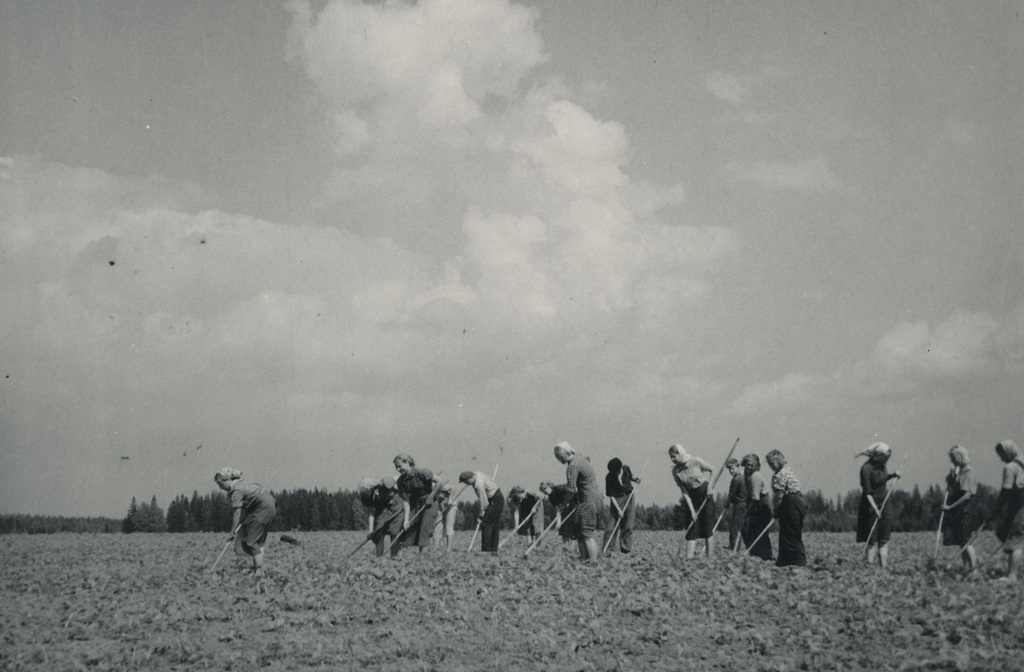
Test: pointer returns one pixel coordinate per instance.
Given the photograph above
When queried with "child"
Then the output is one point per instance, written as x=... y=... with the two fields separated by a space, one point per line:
x=253 y=509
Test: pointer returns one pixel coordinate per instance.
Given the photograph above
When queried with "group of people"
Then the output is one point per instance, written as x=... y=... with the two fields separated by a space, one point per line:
x=418 y=509
x=960 y=522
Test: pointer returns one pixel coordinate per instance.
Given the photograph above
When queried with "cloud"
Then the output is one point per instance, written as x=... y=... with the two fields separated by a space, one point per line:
x=728 y=87
x=810 y=175
x=912 y=356
x=962 y=345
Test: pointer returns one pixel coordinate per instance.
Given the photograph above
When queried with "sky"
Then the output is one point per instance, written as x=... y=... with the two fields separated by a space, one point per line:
x=300 y=238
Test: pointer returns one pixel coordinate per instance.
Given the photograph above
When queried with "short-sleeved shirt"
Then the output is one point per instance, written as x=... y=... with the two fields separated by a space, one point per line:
x=785 y=482
x=962 y=480
x=581 y=479
x=691 y=474
x=416 y=485
x=244 y=494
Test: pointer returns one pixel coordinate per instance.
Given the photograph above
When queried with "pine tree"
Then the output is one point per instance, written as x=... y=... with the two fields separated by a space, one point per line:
x=131 y=521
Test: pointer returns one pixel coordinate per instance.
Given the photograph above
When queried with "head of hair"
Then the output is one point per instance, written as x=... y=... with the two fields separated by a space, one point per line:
x=546 y=485
x=465 y=476
x=405 y=457
x=776 y=456
x=516 y=494
x=958 y=452
x=751 y=461
x=227 y=474
x=615 y=465
x=732 y=462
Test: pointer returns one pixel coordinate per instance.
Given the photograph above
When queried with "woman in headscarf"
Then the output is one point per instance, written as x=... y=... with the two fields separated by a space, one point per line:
x=562 y=500
x=385 y=517
x=253 y=509
x=418 y=511
x=790 y=509
x=527 y=512
x=961 y=486
x=692 y=475
x=874 y=476
x=1008 y=516
x=581 y=481
x=492 y=503
x=758 y=499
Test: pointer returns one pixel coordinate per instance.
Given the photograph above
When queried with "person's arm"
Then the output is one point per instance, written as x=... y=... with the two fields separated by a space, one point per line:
x=405 y=513
x=236 y=520
x=481 y=494
x=704 y=466
x=369 y=526
x=958 y=503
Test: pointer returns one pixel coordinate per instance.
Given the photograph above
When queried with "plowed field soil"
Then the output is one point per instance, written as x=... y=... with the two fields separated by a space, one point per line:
x=115 y=602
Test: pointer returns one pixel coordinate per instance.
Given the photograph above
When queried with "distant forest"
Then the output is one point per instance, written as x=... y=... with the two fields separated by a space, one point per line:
x=314 y=510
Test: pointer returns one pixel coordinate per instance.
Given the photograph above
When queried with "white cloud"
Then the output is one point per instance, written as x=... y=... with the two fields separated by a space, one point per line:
x=960 y=346
x=909 y=358
x=728 y=87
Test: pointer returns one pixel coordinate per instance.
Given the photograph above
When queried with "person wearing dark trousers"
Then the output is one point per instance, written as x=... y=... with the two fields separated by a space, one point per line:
x=618 y=486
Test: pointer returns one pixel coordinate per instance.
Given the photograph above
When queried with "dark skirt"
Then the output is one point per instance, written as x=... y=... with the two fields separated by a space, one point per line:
x=866 y=520
x=1010 y=520
x=387 y=523
x=792 y=509
x=759 y=516
x=421 y=529
x=534 y=525
x=705 y=525
x=959 y=524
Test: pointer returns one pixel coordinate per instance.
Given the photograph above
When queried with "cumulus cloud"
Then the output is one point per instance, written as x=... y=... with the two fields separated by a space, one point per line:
x=909 y=357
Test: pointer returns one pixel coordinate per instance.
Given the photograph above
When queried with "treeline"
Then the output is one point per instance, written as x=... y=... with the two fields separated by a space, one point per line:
x=19 y=524
x=316 y=510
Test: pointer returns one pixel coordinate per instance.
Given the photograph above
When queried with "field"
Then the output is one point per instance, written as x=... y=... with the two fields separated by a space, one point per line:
x=113 y=602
